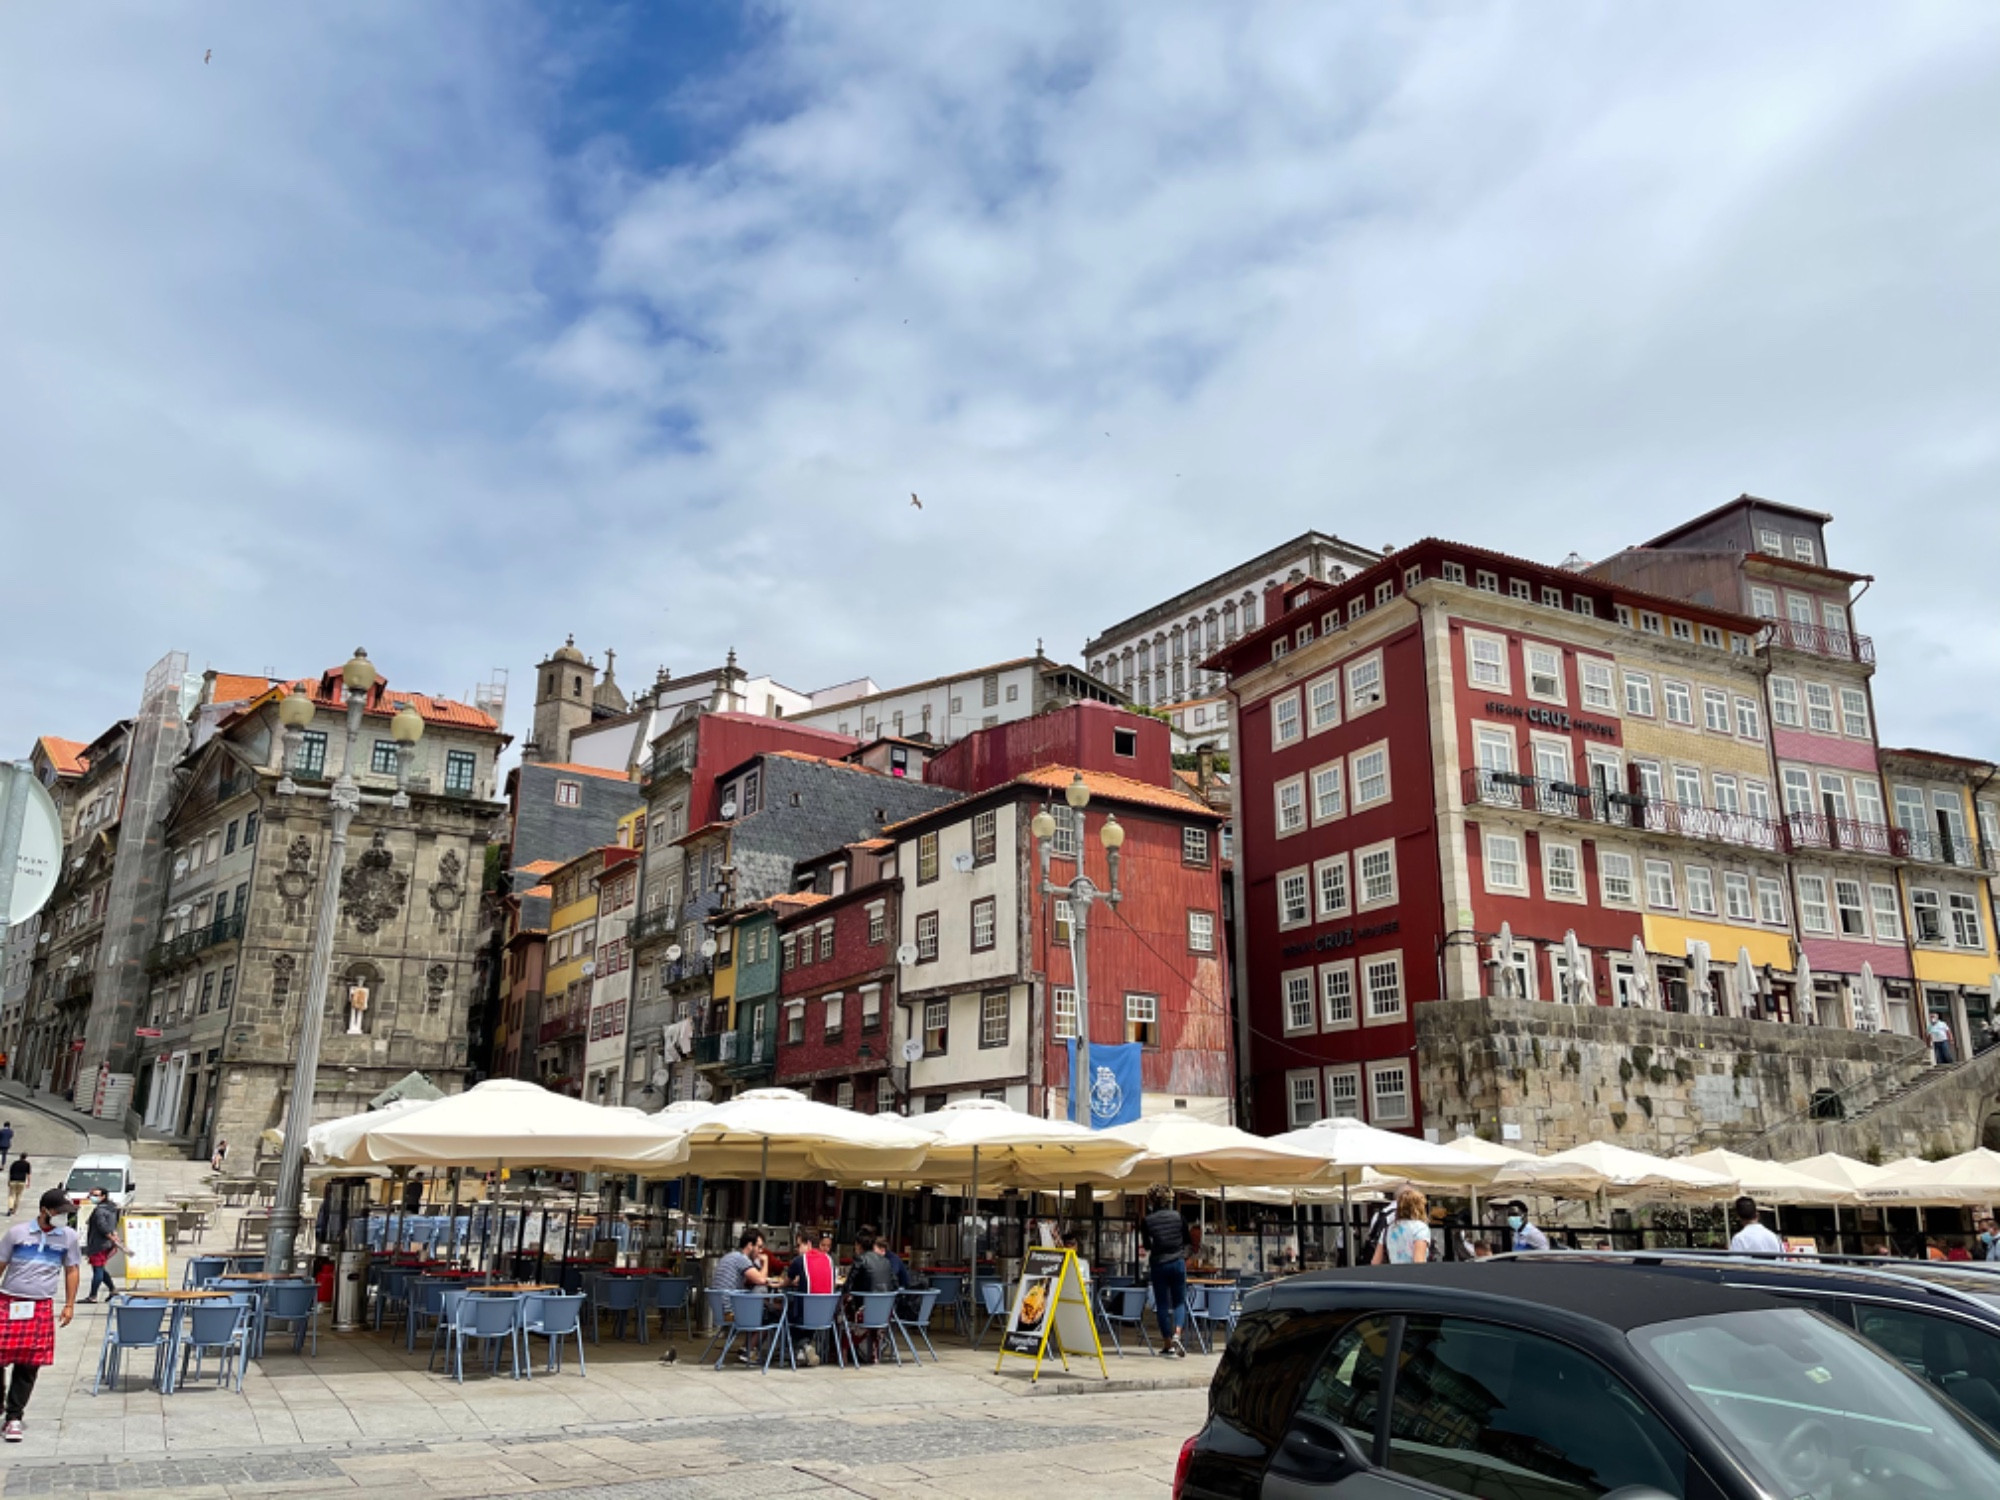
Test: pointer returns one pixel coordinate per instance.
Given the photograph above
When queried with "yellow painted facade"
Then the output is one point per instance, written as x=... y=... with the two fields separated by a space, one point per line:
x=582 y=908
x=1975 y=970
x=629 y=828
x=1670 y=935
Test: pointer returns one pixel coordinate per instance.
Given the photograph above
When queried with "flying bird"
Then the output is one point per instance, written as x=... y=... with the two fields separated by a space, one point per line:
x=915 y=501
x=207 y=55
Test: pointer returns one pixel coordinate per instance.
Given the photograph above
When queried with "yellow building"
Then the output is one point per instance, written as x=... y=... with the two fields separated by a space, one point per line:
x=1947 y=821
x=572 y=944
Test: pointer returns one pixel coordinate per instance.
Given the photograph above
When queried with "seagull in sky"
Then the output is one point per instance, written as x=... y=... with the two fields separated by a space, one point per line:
x=207 y=55
x=915 y=501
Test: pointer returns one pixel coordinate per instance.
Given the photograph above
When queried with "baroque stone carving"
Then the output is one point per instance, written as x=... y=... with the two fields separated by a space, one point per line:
x=372 y=889
x=436 y=977
x=295 y=880
x=282 y=968
x=447 y=894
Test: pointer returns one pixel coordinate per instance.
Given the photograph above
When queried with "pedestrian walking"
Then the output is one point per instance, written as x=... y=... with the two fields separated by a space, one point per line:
x=218 y=1156
x=1940 y=1035
x=6 y=1138
x=1408 y=1239
x=17 y=1183
x=101 y=1242
x=36 y=1260
x=1526 y=1235
x=1164 y=1235
x=1752 y=1238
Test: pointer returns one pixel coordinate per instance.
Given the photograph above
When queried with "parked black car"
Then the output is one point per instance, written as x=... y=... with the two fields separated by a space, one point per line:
x=1940 y=1321
x=1569 y=1380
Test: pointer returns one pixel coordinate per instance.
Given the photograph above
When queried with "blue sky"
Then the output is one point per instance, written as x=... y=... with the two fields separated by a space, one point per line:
x=451 y=329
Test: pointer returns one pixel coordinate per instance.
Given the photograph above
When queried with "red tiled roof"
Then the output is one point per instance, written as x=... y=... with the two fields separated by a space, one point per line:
x=540 y=866
x=236 y=687
x=1940 y=756
x=65 y=755
x=694 y=833
x=328 y=691
x=546 y=892
x=572 y=766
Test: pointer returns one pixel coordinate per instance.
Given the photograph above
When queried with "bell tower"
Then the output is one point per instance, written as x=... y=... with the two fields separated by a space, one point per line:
x=565 y=687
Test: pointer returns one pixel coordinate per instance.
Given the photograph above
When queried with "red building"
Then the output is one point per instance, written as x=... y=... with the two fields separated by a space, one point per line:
x=837 y=977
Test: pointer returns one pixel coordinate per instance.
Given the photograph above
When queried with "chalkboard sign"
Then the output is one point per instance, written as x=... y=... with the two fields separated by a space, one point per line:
x=1050 y=1300
x=145 y=1237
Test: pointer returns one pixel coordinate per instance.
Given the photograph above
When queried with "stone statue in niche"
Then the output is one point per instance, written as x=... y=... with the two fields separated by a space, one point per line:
x=372 y=889
x=447 y=893
x=435 y=979
x=357 y=1008
x=282 y=968
x=295 y=880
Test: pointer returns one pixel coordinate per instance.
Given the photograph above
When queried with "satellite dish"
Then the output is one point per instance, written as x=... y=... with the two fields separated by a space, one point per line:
x=913 y=1049
x=962 y=862
x=907 y=954
x=729 y=808
x=180 y=865
x=703 y=1089
x=659 y=1078
x=708 y=949
x=673 y=953
x=589 y=967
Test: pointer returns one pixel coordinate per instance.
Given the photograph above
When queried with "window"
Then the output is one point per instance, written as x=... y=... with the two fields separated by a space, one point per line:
x=1748 y=724
x=1364 y=684
x=1764 y=604
x=878 y=924
x=1356 y=608
x=825 y=941
x=1736 y=897
x=1294 y=909
x=1639 y=694
x=1330 y=877
x=1800 y=609
x=1701 y=891
x=1726 y=799
x=1868 y=801
x=1711 y=637
x=1301 y=637
x=227 y=988
x=1291 y=794
x=1888 y=914
x=1614 y=877
x=1623 y=614
x=1323 y=703
x=458 y=768
x=1847 y=903
x=1649 y=622
x=1679 y=702
x=1328 y=791
x=1336 y=990
x=1814 y=914
x=1552 y=597
x=985 y=836
x=1486 y=660
x=937 y=1027
x=927 y=938
x=833 y=1016
x=871 y=1009
x=989 y=691
x=1798 y=792
x=1064 y=844
x=1562 y=871
x=1454 y=572
x=1142 y=1020
x=1926 y=916
x=1965 y=920
x=982 y=924
x=1770 y=901
x=1382 y=984
x=1854 y=713
x=994 y=1010
x=569 y=793
x=1833 y=795
x=1595 y=676
x=1687 y=786
x=1194 y=846
x=1201 y=931
x=1660 y=884
x=249 y=829
x=927 y=858
x=1125 y=742
x=1371 y=776
x=1284 y=719
x=1803 y=549
x=1298 y=991
x=1819 y=708
x=1545 y=679
x=1065 y=1012
x=1375 y=873
x=1302 y=1096
x=1065 y=917
x=229 y=841
x=312 y=753
x=1489 y=582
x=1503 y=863
x=1715 y=710
x=1389 y=1093
x=1681 y=630
x=1770 y=541
x=787 y=953
x=1520 y=588
x=1757 y=800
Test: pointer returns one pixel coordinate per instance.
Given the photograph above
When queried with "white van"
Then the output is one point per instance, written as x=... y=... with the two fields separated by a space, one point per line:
x=101 y=1170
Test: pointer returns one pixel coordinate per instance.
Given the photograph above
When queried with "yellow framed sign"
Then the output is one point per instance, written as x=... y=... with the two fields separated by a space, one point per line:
x=1050 y=1302
x=145 y=1237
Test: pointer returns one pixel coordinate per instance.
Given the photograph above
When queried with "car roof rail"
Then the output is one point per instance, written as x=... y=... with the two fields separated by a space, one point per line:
x=1722 y=1259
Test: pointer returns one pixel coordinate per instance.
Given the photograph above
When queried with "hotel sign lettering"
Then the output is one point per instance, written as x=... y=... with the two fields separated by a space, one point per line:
x=1343 y=937
x=1550 y=718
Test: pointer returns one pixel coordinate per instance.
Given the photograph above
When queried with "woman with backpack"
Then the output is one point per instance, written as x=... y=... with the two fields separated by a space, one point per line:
x=1164 y=1235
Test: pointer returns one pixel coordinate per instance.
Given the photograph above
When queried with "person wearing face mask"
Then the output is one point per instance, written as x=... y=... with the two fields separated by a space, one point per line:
x=1526 y=1235
x=35 y=1259
x=1989 y=1238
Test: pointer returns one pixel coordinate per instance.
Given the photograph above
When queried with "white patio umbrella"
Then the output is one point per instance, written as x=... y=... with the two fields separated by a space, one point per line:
x=1347 y=1146
x=1746 y=983
x=1970 y=1179
x=502 y=1122
x=1573 y=959
x=1504 y=978
x=1805 y=1007
x=1842 y=1171
x=1701 y=989
x=1182 y=1151
x=1771 y=1181
x=1618 y=1172
x=330 y=1141
x=1642 y=973
x=1868 y=1015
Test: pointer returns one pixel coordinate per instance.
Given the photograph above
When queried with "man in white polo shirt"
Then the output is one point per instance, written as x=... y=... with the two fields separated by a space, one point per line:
x=1752 y=1238
x=36 y=1258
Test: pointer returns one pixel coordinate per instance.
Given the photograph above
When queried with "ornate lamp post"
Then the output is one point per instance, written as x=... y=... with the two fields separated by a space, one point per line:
x=1081 y=893
x=344 y=799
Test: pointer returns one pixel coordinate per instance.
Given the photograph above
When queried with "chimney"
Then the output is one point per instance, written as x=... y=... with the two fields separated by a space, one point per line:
x=1204 y=766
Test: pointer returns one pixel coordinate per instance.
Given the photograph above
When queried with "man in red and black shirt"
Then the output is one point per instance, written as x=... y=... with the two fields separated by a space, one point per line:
x=35 y=1258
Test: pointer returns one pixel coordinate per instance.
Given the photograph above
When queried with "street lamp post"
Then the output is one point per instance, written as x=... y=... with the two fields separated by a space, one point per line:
x=1081 y=893
x=344 y=799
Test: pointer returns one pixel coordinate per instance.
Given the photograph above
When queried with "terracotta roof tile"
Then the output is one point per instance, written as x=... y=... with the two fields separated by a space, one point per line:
x=694 y=833
x=383 y=701
x=546 y=892
x=539 y=866
x=65 y=755
x=572 y=766
x=237 y=687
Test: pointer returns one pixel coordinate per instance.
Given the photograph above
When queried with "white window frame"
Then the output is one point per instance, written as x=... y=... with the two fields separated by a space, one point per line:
x=1323 y=713
x=1379 y=1071
x=1597 y=683
x=1931 y=903
x=1815 y=707
x=1334 y=865
x=1518 y=858
x=1288 y=807
x=1344 y=1073
x=1699 y=882
x=1337 y=982
x=1749 y=722
x=1771 y=901
x=1362 y=667
x=1738 y=902
x=1062 y=1008
x=1814 y=897
x=1963 y=909
x=1201 y=930
x=1763 y=602
x=1356 y=765
x=1629 y=877
x=1715 y=711
x=1638 y=694
x=1362 y=857
x=1327 y=791
x=1558 y=693
x=1676 y=695
x=1497 y=679
x=1853 y=710
x=1886 y=910
x=1787 y=710
x=1371 y=966
x=1303 y=875
x=1856 y=909
x=1295 y=997
x=1551 y=865
x=1287 y=721
x=1301 y=1097
x=1660 y=875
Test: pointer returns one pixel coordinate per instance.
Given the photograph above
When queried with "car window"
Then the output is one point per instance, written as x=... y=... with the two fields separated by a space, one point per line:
x=84 y=1179
x=1504 y=1414
x=1346 y=1390
x=1957 y=1358
x=1266 y=1364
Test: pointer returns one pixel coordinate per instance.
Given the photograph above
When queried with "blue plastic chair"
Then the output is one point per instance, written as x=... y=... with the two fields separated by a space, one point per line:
x=877 y=1317
x=1218 y=1309
x=252 y=1266
x=817 y=1313
x=293 y=1302
x=201 y=1270
x=488 y=1319
x=221 y=1326
x=950 y=1289
x=1197 y=1299
x=425 y=1300
x=758 y=1312
x=449 y=1295
x=554 y=1318
x=718 y=1319
x=392 y=1290
x=992 y=1309
x=134 y=1324
x=673 y=1294
x=919 y=1322
x=620 y=1295
x=1124 y=1306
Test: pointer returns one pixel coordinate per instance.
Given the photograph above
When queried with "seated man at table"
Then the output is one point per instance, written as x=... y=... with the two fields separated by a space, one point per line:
x=742 y=1269
x=811 y=1272
x=874 y=1270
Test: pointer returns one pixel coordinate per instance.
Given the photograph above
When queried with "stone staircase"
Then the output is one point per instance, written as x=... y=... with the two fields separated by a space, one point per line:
x=1938 y=1111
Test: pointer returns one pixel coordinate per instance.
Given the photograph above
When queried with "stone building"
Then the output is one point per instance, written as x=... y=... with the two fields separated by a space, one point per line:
x=59 y=765
x=243 y=883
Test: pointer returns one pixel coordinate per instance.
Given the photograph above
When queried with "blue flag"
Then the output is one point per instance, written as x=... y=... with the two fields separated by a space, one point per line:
x=1113 y=1089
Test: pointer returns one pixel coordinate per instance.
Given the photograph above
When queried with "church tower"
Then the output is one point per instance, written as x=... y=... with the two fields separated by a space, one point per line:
x=565 y=690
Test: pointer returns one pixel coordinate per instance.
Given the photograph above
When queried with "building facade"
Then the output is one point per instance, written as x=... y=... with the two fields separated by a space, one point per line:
x=617 y=890
x=837 y=979
x=941 y=710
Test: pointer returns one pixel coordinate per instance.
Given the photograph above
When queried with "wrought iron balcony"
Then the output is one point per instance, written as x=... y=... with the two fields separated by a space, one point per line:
x=570 y=1023
x=686 y=970
x=1941 y=848
x=1817 y=640
x=652 y=924
x=755 y=1049
x=707 y=1051
x=1818 y=831
x=670 y=759
x=198 y=940
x=77 y=985
x=1592 y=804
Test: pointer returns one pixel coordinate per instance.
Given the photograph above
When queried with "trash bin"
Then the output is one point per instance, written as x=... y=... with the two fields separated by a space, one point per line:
x=350 y=1290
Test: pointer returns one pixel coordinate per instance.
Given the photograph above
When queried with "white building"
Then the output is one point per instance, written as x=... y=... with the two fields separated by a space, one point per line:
x=944 y=709
x=1197 y=722
x=1153 y=657
x=620 y=742
x=611 y=984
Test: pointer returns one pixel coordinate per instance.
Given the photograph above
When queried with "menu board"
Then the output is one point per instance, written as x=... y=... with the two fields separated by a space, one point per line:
x=1051 y=1300
x=145 y=1238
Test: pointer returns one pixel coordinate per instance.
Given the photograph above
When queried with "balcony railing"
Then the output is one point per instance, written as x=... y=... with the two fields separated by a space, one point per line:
x=755 y=1049
x=1940 y=848
x=651 y=924
x=1818 y=831
x=1591 y=804
x=665 y=762
x=1817 y=640
x=686 y=970
x=570 y=1023
x=707 y=1050
x=188 y=944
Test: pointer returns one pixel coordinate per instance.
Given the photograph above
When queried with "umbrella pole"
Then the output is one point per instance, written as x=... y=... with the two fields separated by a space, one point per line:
x=972 y=1229
x=1346 y=1220
x=1225 y=1229
x=763 y=1179
x=451 y=1231
x=1836 y=1230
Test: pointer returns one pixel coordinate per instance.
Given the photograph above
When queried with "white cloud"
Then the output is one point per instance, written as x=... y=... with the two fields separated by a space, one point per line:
x=323 y=324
